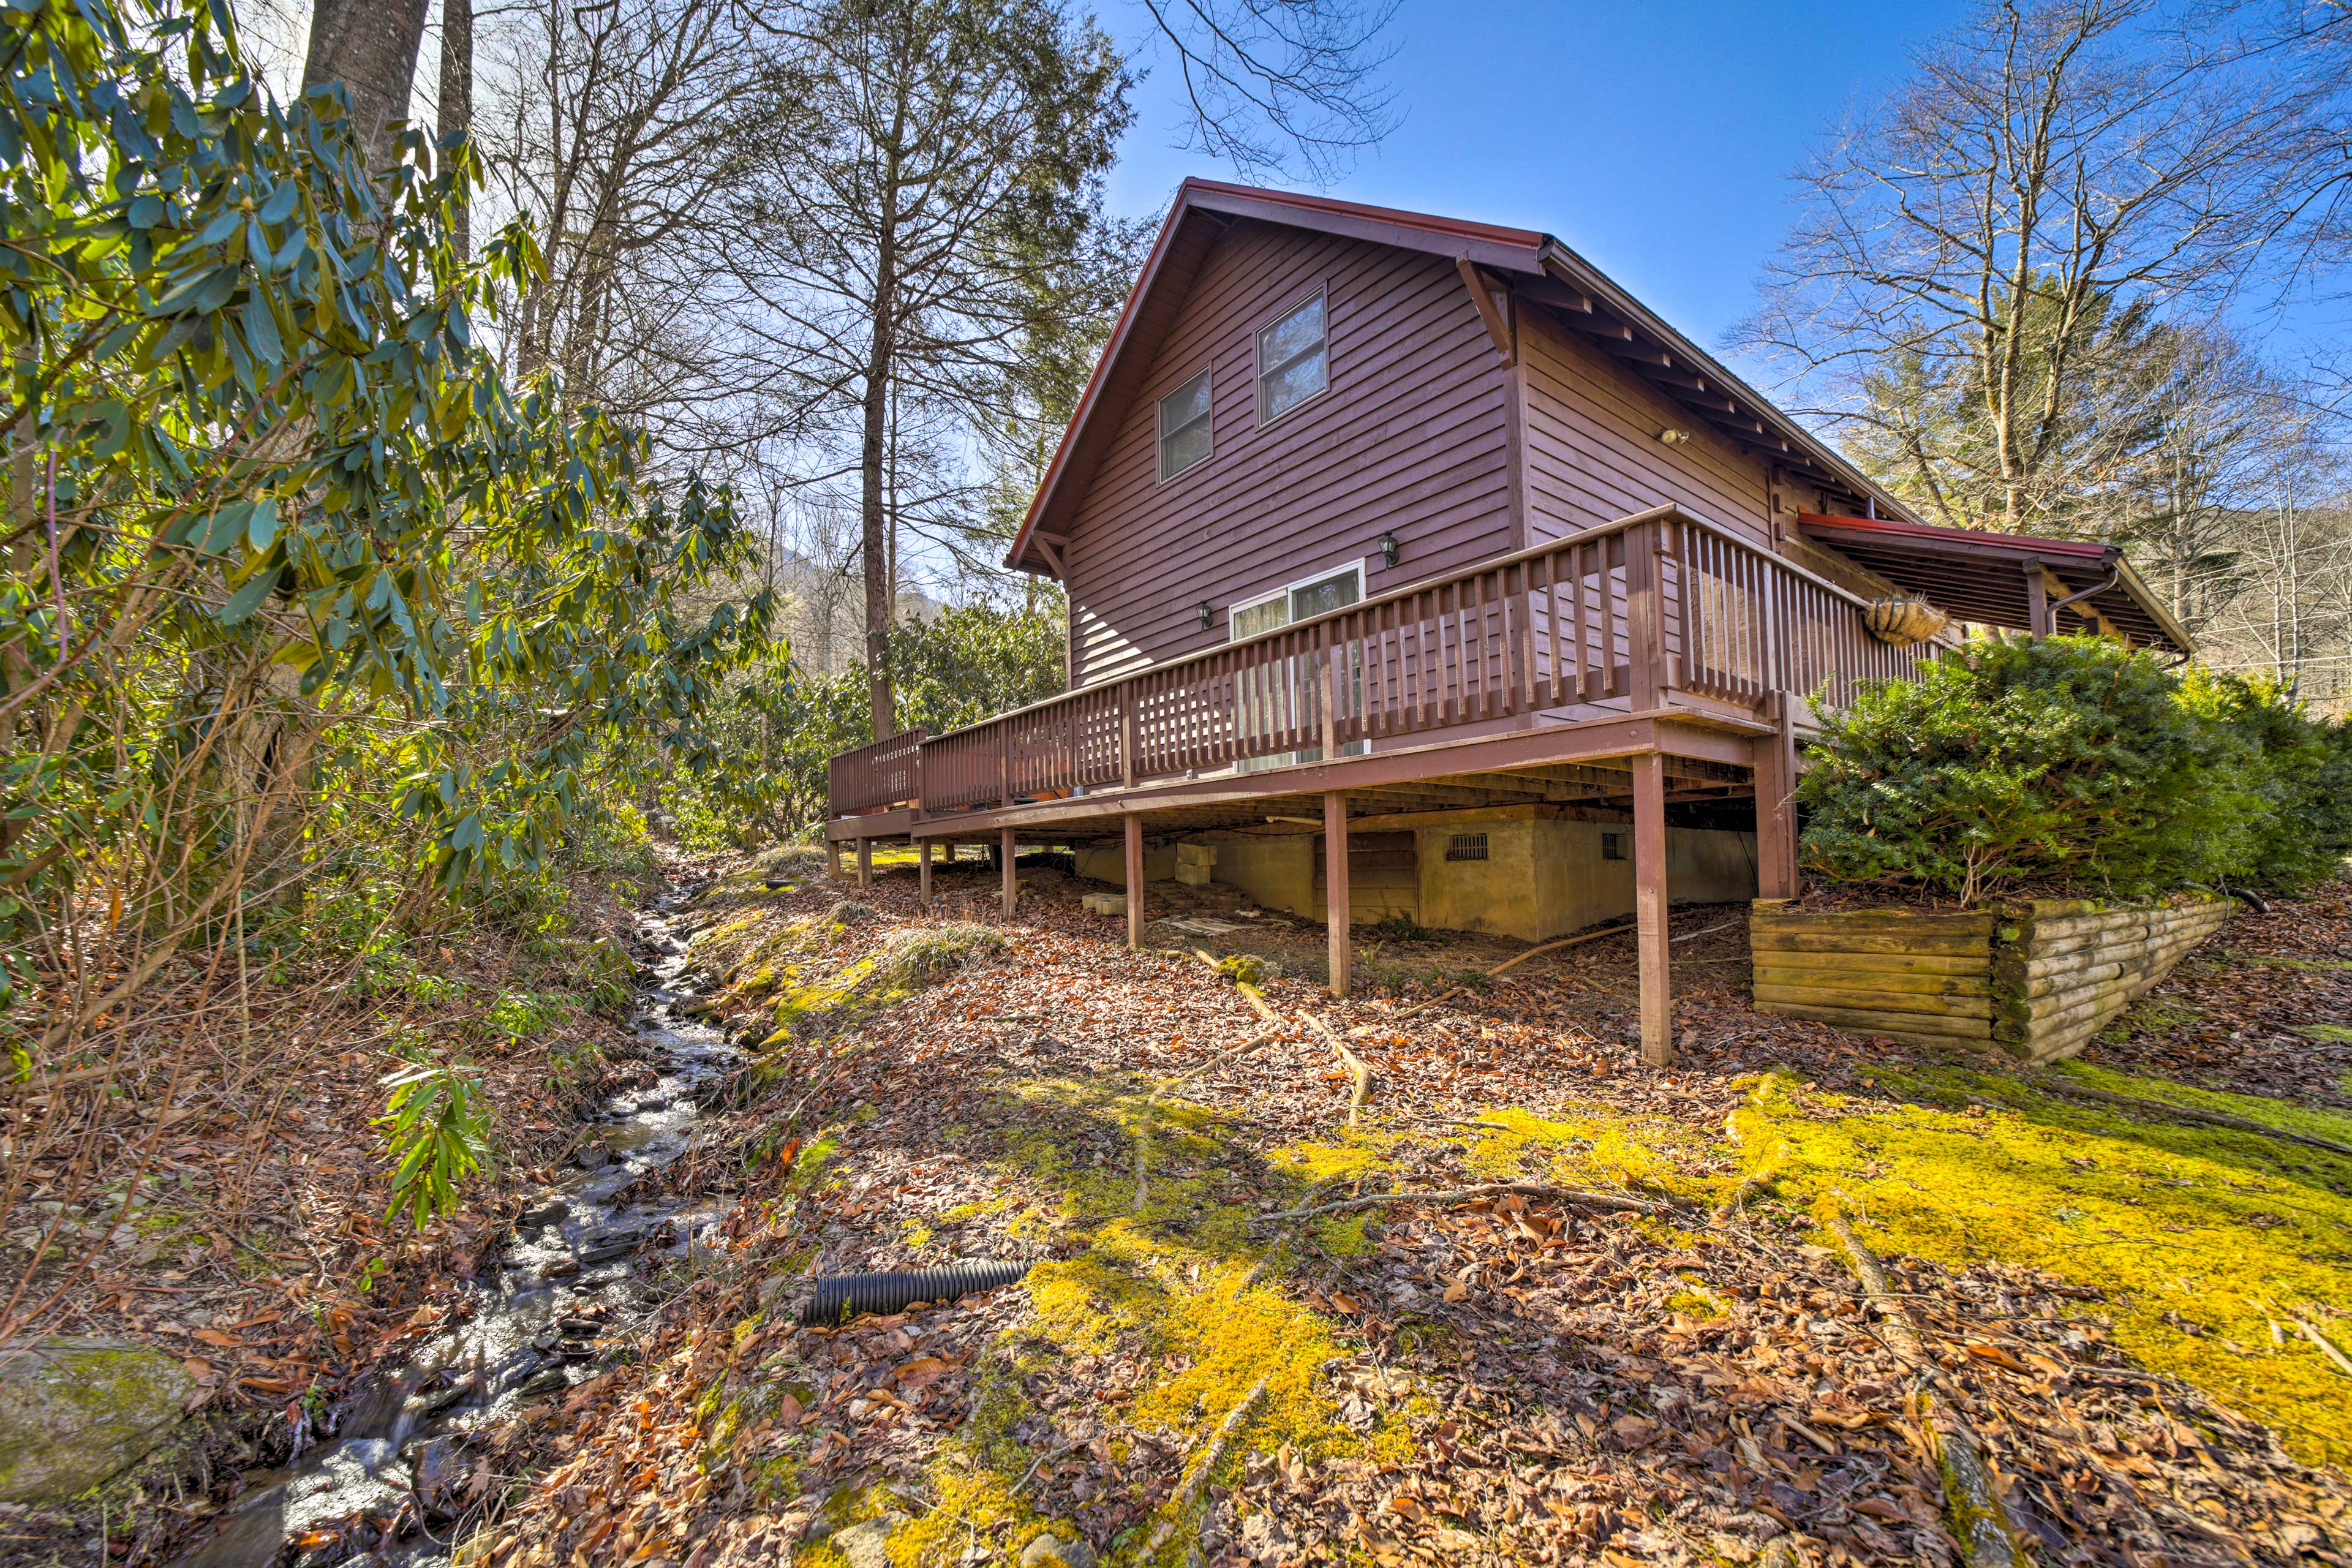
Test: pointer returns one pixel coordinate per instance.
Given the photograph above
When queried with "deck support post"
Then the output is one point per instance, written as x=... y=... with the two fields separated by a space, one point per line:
x=1335 y=887
x=1006 y=854
x=1646 y=642
x=833 y=858
x=866 y=862
x=923 y=873
x=2038 y=617
x=1135 y=881
x=1776 y=805
x=1650 y=906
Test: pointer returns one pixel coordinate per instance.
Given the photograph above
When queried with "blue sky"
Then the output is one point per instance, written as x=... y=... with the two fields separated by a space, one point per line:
x=1655 y=136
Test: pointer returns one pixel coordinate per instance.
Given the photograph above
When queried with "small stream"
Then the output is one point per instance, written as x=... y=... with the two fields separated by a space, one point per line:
x=400 y=1445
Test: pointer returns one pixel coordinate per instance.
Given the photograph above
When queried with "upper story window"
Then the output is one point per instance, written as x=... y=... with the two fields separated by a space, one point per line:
x=1293 y=361
x=1184 y=426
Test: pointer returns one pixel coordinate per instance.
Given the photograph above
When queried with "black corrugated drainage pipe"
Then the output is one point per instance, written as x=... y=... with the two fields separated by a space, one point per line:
x=839 y=1296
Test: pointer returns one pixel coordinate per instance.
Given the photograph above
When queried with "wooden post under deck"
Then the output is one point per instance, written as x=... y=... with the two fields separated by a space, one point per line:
x=1006 y=855
x=833 y=858
x=866 y=862
x=1650 y=906
x=923 y=873
x=1135 y=883
x=1776 y=807
x=1335 y=887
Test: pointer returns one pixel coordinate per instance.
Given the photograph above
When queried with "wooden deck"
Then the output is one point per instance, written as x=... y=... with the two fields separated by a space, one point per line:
x=1652 y=660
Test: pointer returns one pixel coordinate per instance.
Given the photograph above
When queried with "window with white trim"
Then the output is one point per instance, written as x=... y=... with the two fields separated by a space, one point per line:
x=1185 y=428
x=1294 y=365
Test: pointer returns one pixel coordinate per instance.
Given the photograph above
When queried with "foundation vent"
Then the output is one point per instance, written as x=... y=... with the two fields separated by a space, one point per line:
x=1466 y=846
x=1613 y=847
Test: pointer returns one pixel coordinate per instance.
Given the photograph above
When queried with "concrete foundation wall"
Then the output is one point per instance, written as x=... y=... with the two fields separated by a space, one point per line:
x=1107 y=862
x=1542 y=877
x=1278 y=871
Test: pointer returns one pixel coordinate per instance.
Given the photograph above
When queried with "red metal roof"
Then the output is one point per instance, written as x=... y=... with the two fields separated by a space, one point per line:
x=1460 y=228
x=2020 y=544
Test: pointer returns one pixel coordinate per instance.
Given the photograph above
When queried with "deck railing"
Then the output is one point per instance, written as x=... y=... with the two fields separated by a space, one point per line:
x=875 y=777
x=1625 y=616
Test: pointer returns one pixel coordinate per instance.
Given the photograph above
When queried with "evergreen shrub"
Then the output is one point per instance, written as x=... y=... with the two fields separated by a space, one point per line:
x=2074 y=764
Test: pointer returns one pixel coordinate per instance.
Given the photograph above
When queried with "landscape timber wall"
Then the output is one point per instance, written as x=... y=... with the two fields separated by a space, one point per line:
x=2037 y=980
x=1920 y=978
x=2063 y=968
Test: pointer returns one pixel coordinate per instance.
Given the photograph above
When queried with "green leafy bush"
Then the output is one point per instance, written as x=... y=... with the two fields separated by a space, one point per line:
x=330 y=613
x=778 y=725
x=2300 y=829
x=2012 y=764
x=436 y=1134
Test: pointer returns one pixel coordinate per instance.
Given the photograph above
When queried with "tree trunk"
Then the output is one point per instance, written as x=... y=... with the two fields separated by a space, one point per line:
x=370 y=47
x=875 y=540
x=456 y=102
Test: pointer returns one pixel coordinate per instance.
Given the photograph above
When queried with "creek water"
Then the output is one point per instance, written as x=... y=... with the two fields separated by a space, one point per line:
x=396 y=1453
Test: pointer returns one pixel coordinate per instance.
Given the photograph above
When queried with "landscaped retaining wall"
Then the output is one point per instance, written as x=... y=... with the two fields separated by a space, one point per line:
x=2064 y=967
x=2037 y=980
x=1922 y=978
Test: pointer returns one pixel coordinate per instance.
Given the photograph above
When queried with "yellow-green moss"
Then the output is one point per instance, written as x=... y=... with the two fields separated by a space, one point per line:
x=2173 y=1223
x=1694 y=1300
x=1358 y=1153
x=1165 y=1282
x=1594 y=1148
x=907 y=962
x=978 y=1500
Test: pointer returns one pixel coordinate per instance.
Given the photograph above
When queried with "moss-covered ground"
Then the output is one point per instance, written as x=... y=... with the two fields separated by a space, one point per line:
x=2207 y=1244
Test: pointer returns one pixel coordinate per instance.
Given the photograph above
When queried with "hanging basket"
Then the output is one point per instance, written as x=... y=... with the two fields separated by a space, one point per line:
x=1904 y=621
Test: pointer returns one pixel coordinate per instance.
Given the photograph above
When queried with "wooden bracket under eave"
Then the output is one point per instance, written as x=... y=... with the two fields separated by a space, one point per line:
x=1050 y=548
x=1483 y=292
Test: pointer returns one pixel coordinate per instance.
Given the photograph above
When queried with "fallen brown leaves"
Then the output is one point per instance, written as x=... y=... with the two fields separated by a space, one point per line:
x=1570 y=1385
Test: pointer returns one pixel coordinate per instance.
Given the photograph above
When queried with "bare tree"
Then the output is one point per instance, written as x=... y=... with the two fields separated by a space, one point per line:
x=1977 y=241
x=610 y=142
x=2219 y=430
x=1277 y=85
x=454 y=104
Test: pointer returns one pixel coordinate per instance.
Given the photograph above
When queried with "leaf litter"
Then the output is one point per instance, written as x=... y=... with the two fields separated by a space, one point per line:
x=1504 y=1379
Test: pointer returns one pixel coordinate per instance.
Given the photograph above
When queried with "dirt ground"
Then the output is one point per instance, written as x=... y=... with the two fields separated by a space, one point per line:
x=1210 y=1362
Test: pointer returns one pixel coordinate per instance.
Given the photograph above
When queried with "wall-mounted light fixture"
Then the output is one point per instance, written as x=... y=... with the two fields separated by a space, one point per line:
x=1208 y=615
x=1389 y=550
x=1675 y=435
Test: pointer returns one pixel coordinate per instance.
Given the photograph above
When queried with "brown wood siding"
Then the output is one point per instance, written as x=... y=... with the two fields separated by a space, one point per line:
x=1412 y=435
x=1593 y=452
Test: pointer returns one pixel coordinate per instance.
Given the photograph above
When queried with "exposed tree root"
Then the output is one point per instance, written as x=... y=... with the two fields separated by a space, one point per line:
x=2321 y=1343
x=1975 y=1514
x=1348 y=1060
x=1196 y=1483
x=1553 y=947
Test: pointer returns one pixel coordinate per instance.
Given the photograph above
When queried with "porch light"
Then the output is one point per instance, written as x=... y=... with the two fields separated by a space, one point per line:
x=1208 y=615
x=1389 y=550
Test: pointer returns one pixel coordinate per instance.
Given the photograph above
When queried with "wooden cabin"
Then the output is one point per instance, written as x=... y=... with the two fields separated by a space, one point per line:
x=1415 y=565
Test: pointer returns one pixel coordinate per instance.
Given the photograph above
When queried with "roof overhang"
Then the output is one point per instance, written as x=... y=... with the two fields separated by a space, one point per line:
x=1983 y=578
x=1535 y=265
